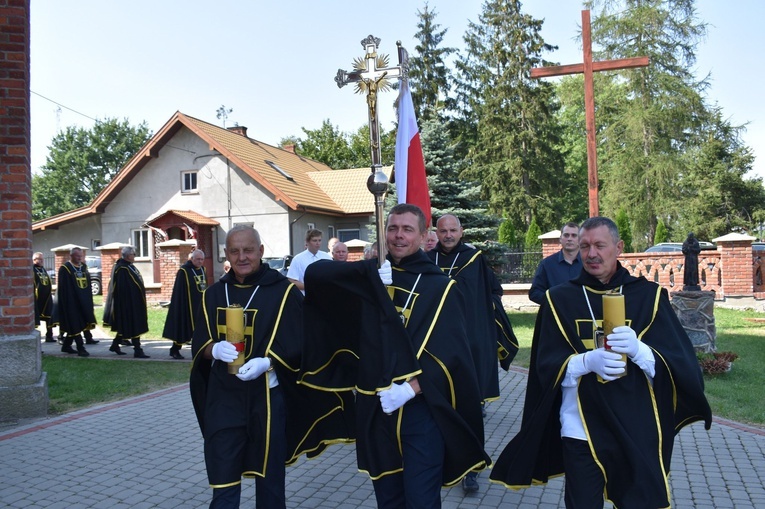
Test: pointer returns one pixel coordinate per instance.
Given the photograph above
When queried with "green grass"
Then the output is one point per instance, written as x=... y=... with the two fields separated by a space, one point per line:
x=75 y=383
x=156 y=315
x=737 y=395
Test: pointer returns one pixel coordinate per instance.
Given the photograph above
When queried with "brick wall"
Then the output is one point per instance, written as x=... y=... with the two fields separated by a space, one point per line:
x=16 y=294
x=736 y=263
x=171 y=259
x=550 y=246
x=108 y=258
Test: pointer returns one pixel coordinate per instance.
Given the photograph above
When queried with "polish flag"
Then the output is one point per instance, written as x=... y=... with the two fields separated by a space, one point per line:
x=411 y=182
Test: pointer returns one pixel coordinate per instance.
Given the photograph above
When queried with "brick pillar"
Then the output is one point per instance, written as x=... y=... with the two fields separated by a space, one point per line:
x=736 y=264
x=109 y=256
x=550 y=243
x=173 y=254
x=23 y=384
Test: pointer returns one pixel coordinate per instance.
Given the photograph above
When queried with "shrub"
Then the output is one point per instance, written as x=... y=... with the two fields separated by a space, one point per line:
x=716 y=362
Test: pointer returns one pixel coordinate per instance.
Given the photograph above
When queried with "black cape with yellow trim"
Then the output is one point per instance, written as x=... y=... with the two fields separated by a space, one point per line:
x=125 y=307
x=631 y=423
x=185 y=303
x=43 y=295
x=507 y=342
x=355 y=338
x=74 y=309
x=274 y=328
x=467 y=266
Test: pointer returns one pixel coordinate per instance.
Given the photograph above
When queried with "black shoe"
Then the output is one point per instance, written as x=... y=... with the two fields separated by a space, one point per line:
x=116 y=349
x=92 y=341
x=176 y=355
x=82 y=352
x=68 y=349
x=138 y=354
x=470 y=482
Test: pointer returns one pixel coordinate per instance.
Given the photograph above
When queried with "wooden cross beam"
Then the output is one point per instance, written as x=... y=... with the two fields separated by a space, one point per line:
x=587 y=68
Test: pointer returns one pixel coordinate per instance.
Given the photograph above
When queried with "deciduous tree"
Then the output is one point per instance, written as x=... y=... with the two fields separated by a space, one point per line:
x=81 y=162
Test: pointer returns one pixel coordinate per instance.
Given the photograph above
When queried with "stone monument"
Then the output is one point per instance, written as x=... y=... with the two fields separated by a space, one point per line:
x=693 y=306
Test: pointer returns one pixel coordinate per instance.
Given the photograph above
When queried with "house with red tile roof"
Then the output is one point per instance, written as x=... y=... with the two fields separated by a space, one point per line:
x=194 y=181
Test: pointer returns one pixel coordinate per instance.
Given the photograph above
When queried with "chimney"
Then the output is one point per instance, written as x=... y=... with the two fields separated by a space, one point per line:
x=238 y=129
x=289 y=147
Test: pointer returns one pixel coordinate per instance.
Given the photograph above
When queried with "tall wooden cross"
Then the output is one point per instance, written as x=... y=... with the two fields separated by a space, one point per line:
x=587 y=68
x=370 y=80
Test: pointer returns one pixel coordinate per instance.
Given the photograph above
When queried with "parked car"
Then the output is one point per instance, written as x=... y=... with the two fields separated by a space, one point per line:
x=280 y=263
x=676 y=247
x=94 y=269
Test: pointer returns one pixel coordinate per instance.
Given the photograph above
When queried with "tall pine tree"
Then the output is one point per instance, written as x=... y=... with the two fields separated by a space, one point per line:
x=428 y=73
x=507 y=119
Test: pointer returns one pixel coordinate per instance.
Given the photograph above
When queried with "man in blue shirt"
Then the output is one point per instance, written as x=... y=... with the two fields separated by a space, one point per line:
x=560 y=267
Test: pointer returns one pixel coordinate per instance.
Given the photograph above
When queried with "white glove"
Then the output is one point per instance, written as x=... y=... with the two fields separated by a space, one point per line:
x=224 y=351
x=394 y=398
x=253 y=368
x=386 y=273
x=609 y=365
x=623 y=340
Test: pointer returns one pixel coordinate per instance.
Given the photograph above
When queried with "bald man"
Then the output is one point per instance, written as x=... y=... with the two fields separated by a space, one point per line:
x=340 y=252
x=190 y=284
x=491 y=338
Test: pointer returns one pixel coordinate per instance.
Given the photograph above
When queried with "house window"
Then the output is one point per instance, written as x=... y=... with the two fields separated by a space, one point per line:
x=330 y=231
x=142 y=243
x=189 y=181
x=346 y=235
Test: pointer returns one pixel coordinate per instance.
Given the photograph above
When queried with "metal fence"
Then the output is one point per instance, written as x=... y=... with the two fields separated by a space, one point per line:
x=513 y=264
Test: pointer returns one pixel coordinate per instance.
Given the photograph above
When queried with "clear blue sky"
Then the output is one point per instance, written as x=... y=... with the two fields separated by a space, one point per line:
x=274 y=62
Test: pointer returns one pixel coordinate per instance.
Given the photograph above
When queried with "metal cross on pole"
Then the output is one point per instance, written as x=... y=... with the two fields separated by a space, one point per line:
x=371 y=75
x=587 y=68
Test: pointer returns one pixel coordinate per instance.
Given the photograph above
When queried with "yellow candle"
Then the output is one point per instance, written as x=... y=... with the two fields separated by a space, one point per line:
x=235 y=335
x=613 y=316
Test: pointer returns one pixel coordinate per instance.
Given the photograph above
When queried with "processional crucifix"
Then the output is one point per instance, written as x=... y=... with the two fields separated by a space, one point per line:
x=587 y=68
x=371 y=75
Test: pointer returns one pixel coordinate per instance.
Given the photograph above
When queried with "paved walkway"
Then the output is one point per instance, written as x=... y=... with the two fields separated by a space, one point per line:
x=146 y=452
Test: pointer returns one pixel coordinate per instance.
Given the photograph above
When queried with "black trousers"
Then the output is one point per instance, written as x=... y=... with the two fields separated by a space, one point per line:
x=584 y=480
x=269 y=490
x=419 y=485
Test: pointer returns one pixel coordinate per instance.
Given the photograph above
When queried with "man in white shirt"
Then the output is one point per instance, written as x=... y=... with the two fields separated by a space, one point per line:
x=296 y=272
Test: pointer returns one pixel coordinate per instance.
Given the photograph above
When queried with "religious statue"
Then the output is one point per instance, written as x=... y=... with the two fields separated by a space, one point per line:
x=691 y=250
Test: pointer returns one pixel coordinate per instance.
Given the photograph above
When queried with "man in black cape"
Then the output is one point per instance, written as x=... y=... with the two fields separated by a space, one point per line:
x=489 y=339
x=404 y=350
x=43 y=297
x=258 y=419
x=190 y=284
x=490 y=336
x=125 y=309
x=611 y=432
x=75 y=303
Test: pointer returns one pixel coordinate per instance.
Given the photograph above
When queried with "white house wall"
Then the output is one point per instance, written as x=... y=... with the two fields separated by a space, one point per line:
x=83 y=232
x=157 y=188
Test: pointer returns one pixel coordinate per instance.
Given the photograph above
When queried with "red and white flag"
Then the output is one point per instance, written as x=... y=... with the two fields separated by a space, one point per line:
x=411 y=181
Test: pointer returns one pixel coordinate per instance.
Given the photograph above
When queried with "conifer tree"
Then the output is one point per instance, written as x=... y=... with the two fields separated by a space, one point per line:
x=507 y=119
x=428 y=72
